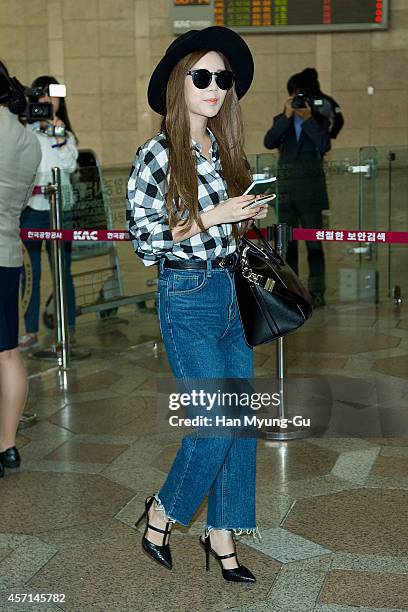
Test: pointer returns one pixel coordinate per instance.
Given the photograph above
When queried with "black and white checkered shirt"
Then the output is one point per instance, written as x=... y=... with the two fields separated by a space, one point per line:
x=146 y=214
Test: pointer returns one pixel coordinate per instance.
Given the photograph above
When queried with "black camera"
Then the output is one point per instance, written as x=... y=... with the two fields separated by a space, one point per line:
x=37 y=111
x=300 y=99
x=15 y=95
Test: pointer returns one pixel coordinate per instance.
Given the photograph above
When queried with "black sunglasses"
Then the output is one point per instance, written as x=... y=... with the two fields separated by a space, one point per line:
x=202 y=78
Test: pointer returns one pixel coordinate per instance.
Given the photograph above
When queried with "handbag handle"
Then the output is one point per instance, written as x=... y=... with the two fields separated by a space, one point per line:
x=260 y=236
x=270 y=249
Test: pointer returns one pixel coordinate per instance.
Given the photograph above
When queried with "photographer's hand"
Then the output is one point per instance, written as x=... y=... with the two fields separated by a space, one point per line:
x=56 y=122
x=305 y=113
x=288 y=109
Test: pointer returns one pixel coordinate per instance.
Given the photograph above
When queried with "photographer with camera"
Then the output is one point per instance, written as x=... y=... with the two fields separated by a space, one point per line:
x=301 y=134
x=58 y=146
x=20 y=155
x=328 y=107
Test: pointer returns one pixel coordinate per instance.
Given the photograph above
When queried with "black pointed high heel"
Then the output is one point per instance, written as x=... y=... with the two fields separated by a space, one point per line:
x=237 y=574
x=162 y=553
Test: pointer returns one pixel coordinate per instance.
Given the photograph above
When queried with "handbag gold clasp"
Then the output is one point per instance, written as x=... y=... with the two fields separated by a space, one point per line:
x=269 y=285
x=266 y=283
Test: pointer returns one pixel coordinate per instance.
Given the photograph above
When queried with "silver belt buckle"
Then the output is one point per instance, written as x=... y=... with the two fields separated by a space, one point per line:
x=222 y=263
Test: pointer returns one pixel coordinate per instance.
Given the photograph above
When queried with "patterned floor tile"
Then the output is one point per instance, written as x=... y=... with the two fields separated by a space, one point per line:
x=93 y=382
x=377 y=590
x=396 y=451
x=285 y=546
x=390 y=466
x=370 y=563
x=296 y=589
x=346 y=521
x=136 y=583
x=340 y=608
x=356 y=465
x=86 y=453
x=24 y=562
x=388 y=482
x=393 y=366
x=314 y=487
x=331 y=340
x=281 y=463
x=53 y=501
x=109 y=416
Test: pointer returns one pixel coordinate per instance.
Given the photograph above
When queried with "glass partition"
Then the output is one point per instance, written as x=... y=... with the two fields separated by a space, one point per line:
x=350 y=184
x=111 y=284
x=395 y=216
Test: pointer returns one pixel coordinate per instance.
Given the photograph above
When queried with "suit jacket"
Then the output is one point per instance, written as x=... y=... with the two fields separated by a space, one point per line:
x=332 y=111
x=301 y=179
x=20 y=155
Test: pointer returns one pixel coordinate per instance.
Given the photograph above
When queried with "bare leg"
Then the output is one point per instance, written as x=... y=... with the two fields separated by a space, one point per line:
x=222 y=542
x=158 y=519
x=13 y=394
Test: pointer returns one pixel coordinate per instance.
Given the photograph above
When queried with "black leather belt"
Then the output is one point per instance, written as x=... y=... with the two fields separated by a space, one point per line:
x=194 y=264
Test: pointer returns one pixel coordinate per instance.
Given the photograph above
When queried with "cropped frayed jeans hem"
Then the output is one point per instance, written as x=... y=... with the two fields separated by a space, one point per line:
x=237 y=531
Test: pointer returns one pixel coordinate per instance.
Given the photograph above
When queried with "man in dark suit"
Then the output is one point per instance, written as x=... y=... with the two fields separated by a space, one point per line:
x=302 y=137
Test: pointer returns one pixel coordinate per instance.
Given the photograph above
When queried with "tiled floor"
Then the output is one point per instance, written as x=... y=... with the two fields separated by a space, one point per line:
x=332 y=511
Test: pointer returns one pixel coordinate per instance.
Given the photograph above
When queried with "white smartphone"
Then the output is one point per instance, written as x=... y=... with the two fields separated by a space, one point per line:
x=260 y=186
x=265 y=200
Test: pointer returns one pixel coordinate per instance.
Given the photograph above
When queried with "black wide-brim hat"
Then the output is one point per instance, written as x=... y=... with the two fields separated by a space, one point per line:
x=215 y=38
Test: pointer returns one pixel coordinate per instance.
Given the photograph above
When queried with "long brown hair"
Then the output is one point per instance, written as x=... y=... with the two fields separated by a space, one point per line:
x=182 y=194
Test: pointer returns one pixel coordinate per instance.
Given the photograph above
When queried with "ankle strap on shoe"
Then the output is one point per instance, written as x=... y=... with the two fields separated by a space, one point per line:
x=157 y=529
x=227 y=556
x=166 y=531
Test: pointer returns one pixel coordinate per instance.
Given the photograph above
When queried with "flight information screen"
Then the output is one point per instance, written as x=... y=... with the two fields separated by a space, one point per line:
x=280 y=15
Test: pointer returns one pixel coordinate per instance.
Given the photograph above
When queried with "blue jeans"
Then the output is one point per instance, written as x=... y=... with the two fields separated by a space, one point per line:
x=203 y=337
x=40 y=219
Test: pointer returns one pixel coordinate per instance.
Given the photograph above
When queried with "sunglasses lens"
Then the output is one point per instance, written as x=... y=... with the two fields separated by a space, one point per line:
x=201 y=78
x=225 y=79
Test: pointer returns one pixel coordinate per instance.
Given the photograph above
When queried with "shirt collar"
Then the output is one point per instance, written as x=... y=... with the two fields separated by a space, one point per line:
x=214 y=145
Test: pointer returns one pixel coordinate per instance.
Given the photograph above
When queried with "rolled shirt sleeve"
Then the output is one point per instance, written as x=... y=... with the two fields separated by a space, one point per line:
x=68 y=154
x=146 y=213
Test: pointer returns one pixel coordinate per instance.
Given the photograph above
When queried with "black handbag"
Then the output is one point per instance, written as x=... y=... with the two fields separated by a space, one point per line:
x=271 y=298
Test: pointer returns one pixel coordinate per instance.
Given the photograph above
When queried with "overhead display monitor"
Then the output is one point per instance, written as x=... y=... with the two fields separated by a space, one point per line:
x=260 y=16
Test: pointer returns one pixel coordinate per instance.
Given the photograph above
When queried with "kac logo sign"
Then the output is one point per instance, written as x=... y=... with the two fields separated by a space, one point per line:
x=85 y=235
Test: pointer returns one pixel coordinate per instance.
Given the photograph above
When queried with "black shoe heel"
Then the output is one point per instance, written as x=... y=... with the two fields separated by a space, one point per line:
x=207 y=554
x=162 y=553
x=238 y=574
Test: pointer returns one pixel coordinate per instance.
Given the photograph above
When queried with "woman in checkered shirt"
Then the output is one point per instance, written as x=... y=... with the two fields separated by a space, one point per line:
x=185 y=212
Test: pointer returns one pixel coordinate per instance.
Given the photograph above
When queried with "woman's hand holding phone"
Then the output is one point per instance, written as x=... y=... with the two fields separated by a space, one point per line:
x=238 y=209
x=260 y=211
